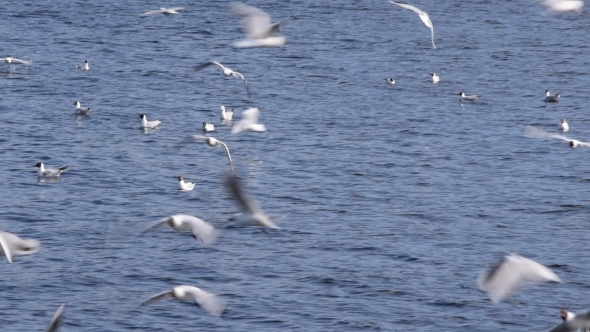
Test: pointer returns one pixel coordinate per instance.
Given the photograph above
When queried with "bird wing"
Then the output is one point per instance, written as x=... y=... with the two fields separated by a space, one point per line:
x=208 y=301
x=249 y=117
x=206 y=64
x=584 y=143
x=152 y=12
x=26 y=62
x=160 y=296
x=275 y=28
x=500 y=281
x=245 y=82
x=426 y=20
x=410 y=7
x=202 y=230
x=5 y=242
x=54 y=324
x=533 y=271
x=530 y=131
x=175 y=8
x=157 y=223
x=233 y=183
x=256 y=21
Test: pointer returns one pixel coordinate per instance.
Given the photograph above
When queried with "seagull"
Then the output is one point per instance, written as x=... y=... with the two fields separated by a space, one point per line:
x=259 y=30
x=81 y=110
x=563 y=126
x=551 y=99
x=226 y=115
x=13 y=245
x=54 y=324
x=249 y=122
x=185 y=186
x=252 y=214
x=226 y=71
x=200 y=230
x=11 y=60
x=148 y=124
x=423 y=16
x=85 y=66
x=573 y=322
x=207 y=127
x=530 y=131
x=435 y=78
x=503 y=279
x=49 y=172
x=211 y=141
x=203 y=299
x=165 y=11
x=464 y=97
x=562 y=6
x=391 y=81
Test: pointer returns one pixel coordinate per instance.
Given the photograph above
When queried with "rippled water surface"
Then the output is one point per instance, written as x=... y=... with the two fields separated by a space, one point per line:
x=398 y=195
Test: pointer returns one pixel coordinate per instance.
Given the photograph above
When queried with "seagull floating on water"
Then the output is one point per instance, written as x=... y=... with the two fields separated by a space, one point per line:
x=573 y=322
x=423 y=16
x=211 y=141
x=551 y=99
x=185 y=186
x=11 y=245
x=200 y=230
x=435 y=78
x=226 y=71
x=391 y=81
x=43 y=172
x=226 y=115
x=530 y=131
x=252 y=214
x=563 y=126
x=81 y=110
x=55 y=321
x=207 y=127
x=465 y=97
x=562 y=6
x=208 y=301
x=506 y=277
x=165 y=11
x=259 y=30
x=249 y=122
x=85 y=66
x=11 y=60
x=148 y=124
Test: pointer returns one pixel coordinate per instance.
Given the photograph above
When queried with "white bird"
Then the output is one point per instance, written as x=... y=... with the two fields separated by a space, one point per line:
x=226 y=115
x=259 y=30
x=148 y=124
x=54 y=324
x=515 y=270
x=211 y=141
x=165 y=11
x=563 y=126
x=391 y=81
x=465 y=97
x=43 y=172
x=81 y=110
x=185 y=186
x=11 y=245
x=423 y=16
x=200 y=230
x=249 y=122
x=203 y=299
x=530 y=131
x=551 y=99
x=562 y=6
x=435 y=78
x=226 y=71
x=85 y=66
x=252 y=214
x=573 y=322
x=11 y=60
x=207 y=127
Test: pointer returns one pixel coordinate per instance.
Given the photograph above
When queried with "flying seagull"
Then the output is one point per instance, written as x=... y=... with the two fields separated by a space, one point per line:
x=203 y=299
x=259 y=30
x=200 y=230
x=423 y=16
x=54 y=324
x=530 y=131
x=11 y=60
x=226 y=71
x=252 y=214
x=11 y=245
x=249 y=122
x=165 y=11
x=211 y=141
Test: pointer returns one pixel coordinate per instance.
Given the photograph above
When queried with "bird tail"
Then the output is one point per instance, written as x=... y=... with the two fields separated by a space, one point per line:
x=64 y=168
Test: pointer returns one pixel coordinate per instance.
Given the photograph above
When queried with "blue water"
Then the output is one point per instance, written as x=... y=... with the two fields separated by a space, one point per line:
x=398 y=195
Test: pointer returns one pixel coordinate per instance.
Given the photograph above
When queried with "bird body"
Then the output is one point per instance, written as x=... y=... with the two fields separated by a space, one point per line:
x=259 y=30
x=81 y=110
x=43 y=172
x=551 y=99
x=200 y=229
x=465 y=97
x=226 y=115
x=562 y=6
x=563 y=125
x=226 y=72
x=530 y=131
x=11 y=245
x=55 y=321
x=165 y=11
x=249 y=122
x=423 y=16
x=203 y=299
x=391 y=80
x=435 y=78
x=207 y=127
x=85 y=66
x=148 y=124
x=185 y=186
x=11 y=60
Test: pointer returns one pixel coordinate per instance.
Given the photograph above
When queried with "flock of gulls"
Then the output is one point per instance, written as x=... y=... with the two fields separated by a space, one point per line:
x=498 y=281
